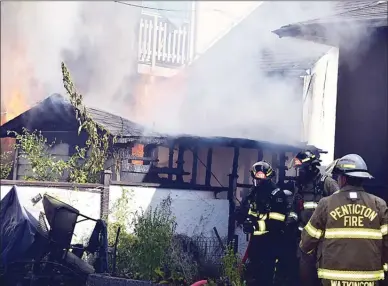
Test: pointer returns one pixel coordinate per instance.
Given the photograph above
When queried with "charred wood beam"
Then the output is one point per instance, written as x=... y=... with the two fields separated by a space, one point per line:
x=170 y=160
x=209 y=166
x=195 y=166
x=171 y=185
x=180 y=163
x=260 y=154
x=231 y=194
x=149 y=157
x=188 y=142
x=275 y=162
x=282 y=168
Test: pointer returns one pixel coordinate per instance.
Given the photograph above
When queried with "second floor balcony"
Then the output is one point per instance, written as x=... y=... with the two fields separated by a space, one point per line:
x=163 y=44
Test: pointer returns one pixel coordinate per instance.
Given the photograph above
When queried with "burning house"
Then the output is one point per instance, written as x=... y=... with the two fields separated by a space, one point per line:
x=220 y=165
x=356 y=89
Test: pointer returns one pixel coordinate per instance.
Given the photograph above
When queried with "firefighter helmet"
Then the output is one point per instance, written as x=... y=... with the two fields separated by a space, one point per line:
x=306 y=164
x=304 y=159
x=329 y=169
x=262 y=170
x=352 y=165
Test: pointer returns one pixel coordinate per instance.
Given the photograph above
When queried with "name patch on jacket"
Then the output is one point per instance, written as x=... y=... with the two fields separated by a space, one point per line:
x=352 y=283
x=353 y=215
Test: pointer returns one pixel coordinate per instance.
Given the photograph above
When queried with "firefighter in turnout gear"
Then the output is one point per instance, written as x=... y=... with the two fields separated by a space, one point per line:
x=311 y=187
x=263 y=214
x=351 y=226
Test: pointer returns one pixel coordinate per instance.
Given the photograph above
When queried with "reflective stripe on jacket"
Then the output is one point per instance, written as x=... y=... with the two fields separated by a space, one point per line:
x=265 y=222
x=352 y=226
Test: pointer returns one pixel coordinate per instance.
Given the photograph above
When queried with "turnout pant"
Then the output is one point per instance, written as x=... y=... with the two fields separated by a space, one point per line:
x=287 y=269
x=307 y=270
x=262 y=255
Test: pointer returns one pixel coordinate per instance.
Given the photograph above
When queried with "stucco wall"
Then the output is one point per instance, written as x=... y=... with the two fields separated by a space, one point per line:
x=319 y=104
x=196 y=212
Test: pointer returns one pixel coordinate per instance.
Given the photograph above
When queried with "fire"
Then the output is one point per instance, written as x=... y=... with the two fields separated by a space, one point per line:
x=15 y=105
x=138 y=151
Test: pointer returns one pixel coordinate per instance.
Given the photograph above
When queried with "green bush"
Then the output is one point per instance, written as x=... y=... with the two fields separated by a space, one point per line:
x=34 y=147
x=5 y=165
x=148 y=249
x=230 y=275
x=154 y=230
x=230 y=264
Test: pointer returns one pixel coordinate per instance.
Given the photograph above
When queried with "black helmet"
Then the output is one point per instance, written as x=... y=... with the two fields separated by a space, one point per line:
x=306 y=164
x=262 y=171
x=304 y=159
x=352 y=165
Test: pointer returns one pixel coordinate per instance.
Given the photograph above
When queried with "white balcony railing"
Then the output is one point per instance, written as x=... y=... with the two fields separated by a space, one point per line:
x=161 y=43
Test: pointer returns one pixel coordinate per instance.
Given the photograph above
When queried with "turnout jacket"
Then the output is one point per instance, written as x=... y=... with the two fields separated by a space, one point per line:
x=266 y=206
x=308 y=196
x=352 y=226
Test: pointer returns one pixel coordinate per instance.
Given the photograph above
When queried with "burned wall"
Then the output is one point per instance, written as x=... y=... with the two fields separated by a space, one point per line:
x=362 y=107
x=221 y=165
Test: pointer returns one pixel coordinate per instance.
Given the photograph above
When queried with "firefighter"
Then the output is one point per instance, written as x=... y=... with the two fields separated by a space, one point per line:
x=352 y=227
x=262 y=215
x=311 y=187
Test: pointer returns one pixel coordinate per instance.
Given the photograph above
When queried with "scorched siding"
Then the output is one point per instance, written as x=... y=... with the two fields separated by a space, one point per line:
x=319 y=104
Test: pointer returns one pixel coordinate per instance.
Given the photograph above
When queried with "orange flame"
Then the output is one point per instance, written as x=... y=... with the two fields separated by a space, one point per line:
x=138 y=151
x=15 y=105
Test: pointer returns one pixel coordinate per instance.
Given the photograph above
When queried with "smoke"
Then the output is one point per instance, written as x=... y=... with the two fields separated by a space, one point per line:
x=226 y=92
x=95 y=39
x=229 y=92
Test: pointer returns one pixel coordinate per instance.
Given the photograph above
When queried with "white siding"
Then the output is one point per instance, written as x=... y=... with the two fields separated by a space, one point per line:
x=319 y=106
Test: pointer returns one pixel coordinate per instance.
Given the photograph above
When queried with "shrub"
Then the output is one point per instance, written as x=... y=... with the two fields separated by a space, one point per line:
x=148 y=247
x=154 y=232
x=5 y=165
x=34 y=148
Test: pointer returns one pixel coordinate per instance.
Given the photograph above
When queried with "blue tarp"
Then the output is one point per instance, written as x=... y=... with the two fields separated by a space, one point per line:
x=17 y=228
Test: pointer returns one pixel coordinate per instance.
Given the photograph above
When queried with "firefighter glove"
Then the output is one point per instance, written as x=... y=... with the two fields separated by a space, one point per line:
x=248 y=226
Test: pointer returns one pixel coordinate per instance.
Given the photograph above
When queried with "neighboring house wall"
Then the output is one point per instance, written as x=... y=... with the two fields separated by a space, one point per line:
x=362 y=107
x=214 y=19
x=319 y=104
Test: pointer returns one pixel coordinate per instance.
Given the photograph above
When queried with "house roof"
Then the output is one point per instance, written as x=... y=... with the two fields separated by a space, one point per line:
x=55 y=113
x=368 y=14
x=275 y=56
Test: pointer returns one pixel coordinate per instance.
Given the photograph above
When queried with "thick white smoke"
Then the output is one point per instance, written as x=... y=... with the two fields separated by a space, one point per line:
x=96 y=40
x=227 y=93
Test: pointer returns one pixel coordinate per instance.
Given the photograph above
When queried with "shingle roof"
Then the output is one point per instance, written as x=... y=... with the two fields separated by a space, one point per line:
x=367 y=13
x=55 y=113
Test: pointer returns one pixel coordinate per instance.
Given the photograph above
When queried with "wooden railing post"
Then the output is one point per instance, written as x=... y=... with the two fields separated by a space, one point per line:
x=231 y=195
